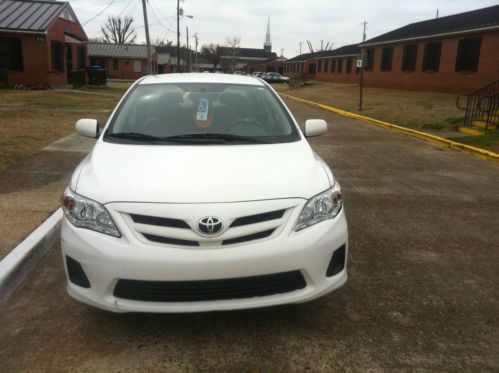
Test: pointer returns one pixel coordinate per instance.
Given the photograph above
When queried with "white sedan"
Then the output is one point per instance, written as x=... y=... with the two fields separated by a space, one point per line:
x=201 y=194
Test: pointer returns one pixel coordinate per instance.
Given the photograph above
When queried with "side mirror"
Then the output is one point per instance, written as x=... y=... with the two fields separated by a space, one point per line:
x=315 y=127
x=88 y=127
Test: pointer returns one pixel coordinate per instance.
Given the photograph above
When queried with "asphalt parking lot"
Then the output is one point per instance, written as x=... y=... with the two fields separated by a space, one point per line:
x=423 y=291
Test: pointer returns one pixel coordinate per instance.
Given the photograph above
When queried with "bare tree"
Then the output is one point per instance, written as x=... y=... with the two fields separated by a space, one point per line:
x=119 y=30
x=233 y=43
x=212 y=54
x=161 y=42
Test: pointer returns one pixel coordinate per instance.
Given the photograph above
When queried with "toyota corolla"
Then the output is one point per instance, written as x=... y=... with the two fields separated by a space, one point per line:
x=200 y=194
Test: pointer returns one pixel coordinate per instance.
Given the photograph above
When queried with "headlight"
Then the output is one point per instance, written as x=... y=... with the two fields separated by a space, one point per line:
x=323 y=206
x=86 y=213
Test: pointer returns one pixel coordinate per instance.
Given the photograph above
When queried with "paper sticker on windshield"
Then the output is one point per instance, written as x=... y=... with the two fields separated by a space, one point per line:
x=202 y=111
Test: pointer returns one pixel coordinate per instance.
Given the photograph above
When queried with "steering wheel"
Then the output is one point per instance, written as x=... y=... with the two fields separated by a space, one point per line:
x=243 y=121
x=152 y=126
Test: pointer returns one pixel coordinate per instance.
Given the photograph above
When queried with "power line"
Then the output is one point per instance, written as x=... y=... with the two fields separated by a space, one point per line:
x=94 y=17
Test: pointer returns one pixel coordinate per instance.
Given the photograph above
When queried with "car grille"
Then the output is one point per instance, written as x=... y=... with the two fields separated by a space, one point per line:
x=210 y=290
x=177 y=232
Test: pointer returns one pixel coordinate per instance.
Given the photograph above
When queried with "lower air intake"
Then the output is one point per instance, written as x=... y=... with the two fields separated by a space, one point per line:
x=209 y=290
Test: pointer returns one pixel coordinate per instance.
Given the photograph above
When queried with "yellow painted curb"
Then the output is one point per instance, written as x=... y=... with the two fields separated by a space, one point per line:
x=478 y=152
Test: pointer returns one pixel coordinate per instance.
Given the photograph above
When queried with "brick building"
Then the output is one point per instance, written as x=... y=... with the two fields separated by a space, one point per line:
x=267 y=66
x=456 y=53
x=41 y=42
x=121 y=61
x=338 y=65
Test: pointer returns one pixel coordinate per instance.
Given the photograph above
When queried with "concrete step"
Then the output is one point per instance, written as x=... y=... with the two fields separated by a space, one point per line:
x=483 y=124
x=474 y=131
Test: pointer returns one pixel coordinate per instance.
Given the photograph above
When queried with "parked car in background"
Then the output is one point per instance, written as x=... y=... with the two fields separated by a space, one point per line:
x=201 y=194
x=275 y=78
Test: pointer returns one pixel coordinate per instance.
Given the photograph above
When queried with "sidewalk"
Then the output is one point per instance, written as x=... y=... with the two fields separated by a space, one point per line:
x=30 y=189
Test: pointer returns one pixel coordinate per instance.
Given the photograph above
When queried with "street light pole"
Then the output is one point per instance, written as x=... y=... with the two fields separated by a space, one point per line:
x=196 y=55
x=178 y=35
x=362 y=56
x=148 y=41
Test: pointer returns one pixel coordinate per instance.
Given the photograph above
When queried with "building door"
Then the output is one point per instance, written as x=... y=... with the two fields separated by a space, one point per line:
x=69 y=62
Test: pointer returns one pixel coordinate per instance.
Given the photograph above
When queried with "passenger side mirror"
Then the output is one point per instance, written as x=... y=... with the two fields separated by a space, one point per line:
x=315 y=127
x=88 y=128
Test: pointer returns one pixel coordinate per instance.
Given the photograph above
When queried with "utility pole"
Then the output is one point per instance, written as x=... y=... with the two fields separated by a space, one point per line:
x=196 y=55
x=148 y=41
x=178 y=36
x=300 y=45
x=362 y=56
x=187 y=51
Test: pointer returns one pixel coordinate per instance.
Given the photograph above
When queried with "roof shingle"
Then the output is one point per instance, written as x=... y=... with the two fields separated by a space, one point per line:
x=117 y=50
x=30 y=15
x=468 y=21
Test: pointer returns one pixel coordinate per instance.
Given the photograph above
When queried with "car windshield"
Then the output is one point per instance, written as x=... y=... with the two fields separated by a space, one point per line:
x=204 y=113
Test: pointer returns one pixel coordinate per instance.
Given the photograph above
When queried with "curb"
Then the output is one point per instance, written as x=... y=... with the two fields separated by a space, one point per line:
x=17 y=265
x=477 y=152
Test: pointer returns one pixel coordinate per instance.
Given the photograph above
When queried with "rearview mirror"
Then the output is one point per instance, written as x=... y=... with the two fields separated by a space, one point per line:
x=315 y=127
x=88 y=127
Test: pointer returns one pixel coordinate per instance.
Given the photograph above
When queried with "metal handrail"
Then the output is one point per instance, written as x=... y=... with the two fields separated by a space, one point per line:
x=474 y=101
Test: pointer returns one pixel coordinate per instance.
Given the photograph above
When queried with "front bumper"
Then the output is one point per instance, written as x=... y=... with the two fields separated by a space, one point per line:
x=105 y=260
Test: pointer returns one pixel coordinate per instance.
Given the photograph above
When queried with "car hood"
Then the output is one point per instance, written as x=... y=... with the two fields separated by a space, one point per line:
x=200 y=174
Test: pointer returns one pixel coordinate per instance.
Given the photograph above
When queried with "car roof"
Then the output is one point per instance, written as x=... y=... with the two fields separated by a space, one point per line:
x=200 y=78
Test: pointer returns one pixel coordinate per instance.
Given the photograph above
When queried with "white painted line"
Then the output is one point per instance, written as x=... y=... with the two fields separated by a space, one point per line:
x=23 y=251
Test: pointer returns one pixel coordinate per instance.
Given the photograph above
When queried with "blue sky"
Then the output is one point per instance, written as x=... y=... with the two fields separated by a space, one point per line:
x=292 y=21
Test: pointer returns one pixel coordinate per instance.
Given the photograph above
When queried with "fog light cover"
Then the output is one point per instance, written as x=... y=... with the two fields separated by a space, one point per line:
x=323 y=206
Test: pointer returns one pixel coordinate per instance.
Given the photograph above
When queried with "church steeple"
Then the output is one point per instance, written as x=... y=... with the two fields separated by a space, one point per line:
x=267 y=45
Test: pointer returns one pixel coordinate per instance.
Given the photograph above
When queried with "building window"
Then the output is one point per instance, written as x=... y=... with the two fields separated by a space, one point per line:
x=137 y=66
x=431 y=57
x=326 y=66
x=340 y=65
x=409 y=57
x=80 y=57
x=333 y=65
x=386 y=59
x=319 y=66
x=115 y=64
x=11 y=54
x=57 y=49
x=468 y=53
x=369 y=58
x=349 y=65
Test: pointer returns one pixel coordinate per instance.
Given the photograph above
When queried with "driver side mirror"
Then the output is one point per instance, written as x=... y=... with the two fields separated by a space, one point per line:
x=315 y=127
x=88 y=128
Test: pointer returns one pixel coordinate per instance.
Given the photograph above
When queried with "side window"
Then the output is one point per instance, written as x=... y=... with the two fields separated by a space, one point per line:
x=369 y=59
x=468 y=54
x=409 y=57
x=431 y=57
x=386 y=59
x=349 y=65
x=11 y=54
x=57 y=50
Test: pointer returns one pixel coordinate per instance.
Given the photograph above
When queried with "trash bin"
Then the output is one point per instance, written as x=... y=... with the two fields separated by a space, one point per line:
x=4 y=72
x=97 y=76
x=79 y=78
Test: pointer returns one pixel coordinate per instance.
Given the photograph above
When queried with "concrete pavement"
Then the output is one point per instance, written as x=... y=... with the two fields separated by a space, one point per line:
x=30 y=190
x=422 y=292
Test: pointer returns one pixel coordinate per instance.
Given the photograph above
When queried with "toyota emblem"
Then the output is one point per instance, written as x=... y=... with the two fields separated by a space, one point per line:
x=210 y=225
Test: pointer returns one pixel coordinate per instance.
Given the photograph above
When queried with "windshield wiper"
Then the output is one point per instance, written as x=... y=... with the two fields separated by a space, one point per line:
x=223 y=137
x=135 y=136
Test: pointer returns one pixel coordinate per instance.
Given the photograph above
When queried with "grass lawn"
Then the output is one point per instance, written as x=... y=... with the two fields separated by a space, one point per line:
x=31 y=120
x=431 y=112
